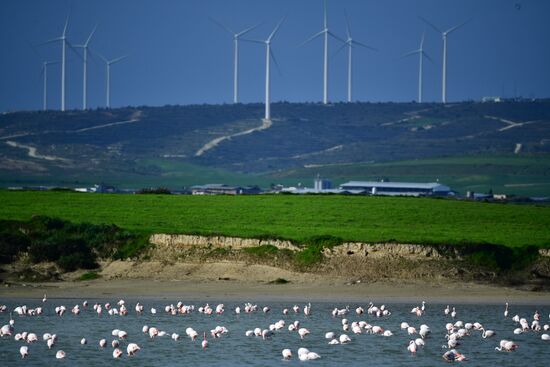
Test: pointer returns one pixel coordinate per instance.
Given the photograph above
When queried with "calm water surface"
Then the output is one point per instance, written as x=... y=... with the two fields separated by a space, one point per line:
x=235 y=349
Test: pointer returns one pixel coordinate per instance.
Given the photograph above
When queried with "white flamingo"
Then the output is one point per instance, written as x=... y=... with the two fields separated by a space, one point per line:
x=132 y=349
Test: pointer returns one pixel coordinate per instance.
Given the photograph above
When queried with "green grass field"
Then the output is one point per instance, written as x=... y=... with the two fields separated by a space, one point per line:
x=406 y=220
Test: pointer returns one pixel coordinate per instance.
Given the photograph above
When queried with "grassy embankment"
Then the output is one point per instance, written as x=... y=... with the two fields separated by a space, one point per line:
x=313 y=221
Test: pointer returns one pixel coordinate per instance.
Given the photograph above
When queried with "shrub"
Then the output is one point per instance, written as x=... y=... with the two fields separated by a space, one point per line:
x=313 y=247
x=91 y=275
x=262 y=251
x=279 y=281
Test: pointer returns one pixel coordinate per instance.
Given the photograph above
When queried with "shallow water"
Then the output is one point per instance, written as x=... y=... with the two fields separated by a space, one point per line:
x=235 y=349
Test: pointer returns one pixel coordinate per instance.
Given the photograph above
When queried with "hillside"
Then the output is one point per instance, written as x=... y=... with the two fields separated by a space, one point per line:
x=498 y=145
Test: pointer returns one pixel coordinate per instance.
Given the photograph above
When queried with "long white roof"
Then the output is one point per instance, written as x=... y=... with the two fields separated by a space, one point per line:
x=436 y=186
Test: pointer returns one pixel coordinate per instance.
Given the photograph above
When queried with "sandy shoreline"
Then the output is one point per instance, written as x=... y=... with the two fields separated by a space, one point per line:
x=250 y=291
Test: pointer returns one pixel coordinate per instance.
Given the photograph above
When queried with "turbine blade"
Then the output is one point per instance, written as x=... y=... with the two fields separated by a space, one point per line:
x=428 y=57
x=73 y=49
x=339 y=49
x=275 y=62
x=50 y=41
x=456 y=27
x=90 y=36
x=242 y=33
x=91 y=54
x=312 y=38
x=118 y=59
x=253 y=41
x=422 y=40
x=276 y=29
x=409 y=54
x=363 y=45
x=223 y=26
x=431 y=25
x=103 y=58
x=348 y=32
x=325 y=20
x=336 y=37
x=66 y=26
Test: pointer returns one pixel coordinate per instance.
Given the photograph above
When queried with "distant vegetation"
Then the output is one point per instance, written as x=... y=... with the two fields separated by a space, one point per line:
x=155 y=190
x=157 y=148
x=298 y=218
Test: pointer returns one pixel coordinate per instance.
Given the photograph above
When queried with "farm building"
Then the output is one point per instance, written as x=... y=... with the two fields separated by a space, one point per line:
x=398 y=188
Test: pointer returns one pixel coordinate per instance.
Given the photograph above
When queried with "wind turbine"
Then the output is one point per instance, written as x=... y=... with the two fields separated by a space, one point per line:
x=350 y=43
x=85 y=70
x=324 y=32
x=236 y=37
x=64 y=44
x=109 y=63
x=421 y=53
x=268 y=56
x=444 y=34
x=45 y=86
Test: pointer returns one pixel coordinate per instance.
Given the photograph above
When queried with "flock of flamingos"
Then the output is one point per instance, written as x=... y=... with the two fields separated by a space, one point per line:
x=455 y=330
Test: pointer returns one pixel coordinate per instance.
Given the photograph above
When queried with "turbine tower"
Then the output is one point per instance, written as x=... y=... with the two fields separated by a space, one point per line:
x=85 y=69
x=326 y=33
x=268 y=56
x=421 y=53
x=444 y=35
x=64 y=44
x=236 y=37
x=45 y=86
x=350 y=43
x=109 y=63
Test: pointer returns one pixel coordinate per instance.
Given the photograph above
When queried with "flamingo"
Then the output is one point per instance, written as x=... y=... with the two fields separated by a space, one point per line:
x=344 y=339
x=132 y=349
x=153 y=331
x=31 y=338
x=24 y=351
x=6 y=330
x=545 y=337
x=204 y=342
x=453 y=314
x=412 y=347
x=507 y=346
x=453 y=355
x=303 y=332
x=45 y=298
x=122 y=334
x=102 y=343
x=506 y=311
x=330 y=335
x=117 y=353
x=60 y=354
x=487 y=333
x=447 y=310
x=83 y=341
x=287 y=353
x=307 y=309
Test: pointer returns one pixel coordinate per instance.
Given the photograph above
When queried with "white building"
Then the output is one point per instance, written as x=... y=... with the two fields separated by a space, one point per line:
x=397 y=188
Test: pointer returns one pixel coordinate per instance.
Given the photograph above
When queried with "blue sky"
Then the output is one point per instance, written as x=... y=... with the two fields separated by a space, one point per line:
x=178 y=56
